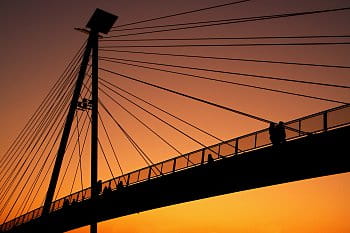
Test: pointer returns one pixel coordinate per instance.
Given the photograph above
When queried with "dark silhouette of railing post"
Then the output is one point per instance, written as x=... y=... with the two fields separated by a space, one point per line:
x=174 y=165
x=236 y=146
x=325 y=121
x=128 y=180
x=149 y=173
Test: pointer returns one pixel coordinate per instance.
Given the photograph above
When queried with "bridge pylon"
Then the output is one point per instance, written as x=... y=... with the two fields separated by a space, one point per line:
x=100 y=22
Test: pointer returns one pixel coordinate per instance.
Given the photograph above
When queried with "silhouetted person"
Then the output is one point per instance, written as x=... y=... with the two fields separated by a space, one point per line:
x=277 y=133
x=66 y=203
x=120 y=185
x=74 y=202
x=281 y=132
x=273 y=133
x=210 y=159
x=99 y=187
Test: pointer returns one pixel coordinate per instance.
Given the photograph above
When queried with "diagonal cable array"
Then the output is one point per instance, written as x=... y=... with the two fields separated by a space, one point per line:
x=18 y=173
x=131 y=62
x=228 y=38
x=226 y=45
x=172 y=126
x=165 y=122
x=140 y=121
x=29 y=173
x=27 y=198
x=231 y=21
x=109 y=59
x=188 y=96
x=154 y=50
x=85 y=94
x=141 y=152
x=227 y=58
x=245 y=85
x=160 y=109
x=23 y=136
x=185 y=13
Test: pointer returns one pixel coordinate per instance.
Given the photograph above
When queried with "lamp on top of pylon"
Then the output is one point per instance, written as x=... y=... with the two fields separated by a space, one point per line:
x=101 y=21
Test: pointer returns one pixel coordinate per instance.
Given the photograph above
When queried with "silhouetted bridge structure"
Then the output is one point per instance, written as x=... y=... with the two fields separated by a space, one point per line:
x=242 y=163
x=316 y=145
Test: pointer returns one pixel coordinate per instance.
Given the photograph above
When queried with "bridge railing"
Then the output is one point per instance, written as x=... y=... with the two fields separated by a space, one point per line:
x=315 y=123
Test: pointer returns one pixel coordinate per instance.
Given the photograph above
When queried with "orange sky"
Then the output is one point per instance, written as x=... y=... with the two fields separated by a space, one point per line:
x=316 y=205
x=39 y=41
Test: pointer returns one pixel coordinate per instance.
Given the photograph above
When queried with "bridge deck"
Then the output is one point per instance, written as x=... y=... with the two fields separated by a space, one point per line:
x=241 y=163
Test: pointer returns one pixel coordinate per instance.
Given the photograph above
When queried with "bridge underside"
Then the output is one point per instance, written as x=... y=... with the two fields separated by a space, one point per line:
x=308 y=157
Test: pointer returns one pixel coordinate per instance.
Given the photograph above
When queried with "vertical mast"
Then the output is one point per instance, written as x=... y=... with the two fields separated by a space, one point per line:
x=94 y=124
x=100 y=22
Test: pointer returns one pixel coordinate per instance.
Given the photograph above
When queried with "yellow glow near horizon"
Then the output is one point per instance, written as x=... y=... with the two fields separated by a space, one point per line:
x=308 y=206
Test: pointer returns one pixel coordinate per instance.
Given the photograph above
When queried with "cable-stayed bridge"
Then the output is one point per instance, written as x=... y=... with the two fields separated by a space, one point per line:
x=242 y=163
x=314 y=145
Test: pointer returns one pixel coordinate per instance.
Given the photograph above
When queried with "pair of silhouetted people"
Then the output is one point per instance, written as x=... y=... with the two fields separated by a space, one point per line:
x=277 y=133
x=67 y=203
x=108 y=189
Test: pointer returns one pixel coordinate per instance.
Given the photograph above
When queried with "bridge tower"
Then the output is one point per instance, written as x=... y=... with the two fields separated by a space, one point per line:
x=100 y=22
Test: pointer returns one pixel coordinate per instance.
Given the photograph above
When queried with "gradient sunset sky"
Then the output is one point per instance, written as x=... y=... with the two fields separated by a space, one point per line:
x=38 y=40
